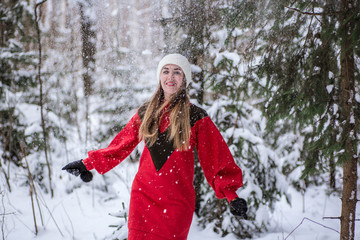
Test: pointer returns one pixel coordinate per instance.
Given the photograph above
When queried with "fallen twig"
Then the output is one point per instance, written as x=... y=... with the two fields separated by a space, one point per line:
x=5 y=214
x=302 y=221
x=50 y=212
x=338 y=218
x=3 y=218
x=31 y=186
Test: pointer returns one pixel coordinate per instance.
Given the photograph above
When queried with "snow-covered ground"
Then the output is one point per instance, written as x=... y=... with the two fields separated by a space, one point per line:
x=87 y=212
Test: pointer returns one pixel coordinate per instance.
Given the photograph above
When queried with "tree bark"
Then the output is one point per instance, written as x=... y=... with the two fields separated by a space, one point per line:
x=349 y=195
x=88 y=36
x=43 y=125
x=88 y=47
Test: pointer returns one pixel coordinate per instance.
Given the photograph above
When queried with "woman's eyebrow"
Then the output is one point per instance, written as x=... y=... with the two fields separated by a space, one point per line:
x=177 y=69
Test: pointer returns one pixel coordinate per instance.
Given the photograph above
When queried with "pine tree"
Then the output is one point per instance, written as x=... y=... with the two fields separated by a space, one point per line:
x=17 y=71
x=195 y=19
x=308 y=50
x=349 y=32
x=243 y=126
x=192 y=20
x=88 y=37
x=23 y=129
x=201 y=25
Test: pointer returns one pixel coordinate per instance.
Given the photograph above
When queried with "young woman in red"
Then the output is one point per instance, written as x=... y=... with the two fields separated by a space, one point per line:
x=162 y=199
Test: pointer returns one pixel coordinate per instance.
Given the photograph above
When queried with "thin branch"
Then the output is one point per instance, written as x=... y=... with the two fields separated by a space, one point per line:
x=39 y=3
x=339 y=218
x=7 y=178
x=50 y=212
x=306 y=13
x=3 y=218
x=37 y=19
x=31 y=190
x=302 y=221
x=31 y=183
x=313 y=13
x=5 y=214
x=71 y=223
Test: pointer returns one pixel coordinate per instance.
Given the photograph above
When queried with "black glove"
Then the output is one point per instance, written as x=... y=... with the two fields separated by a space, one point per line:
x=238 y=207
x=78 y=168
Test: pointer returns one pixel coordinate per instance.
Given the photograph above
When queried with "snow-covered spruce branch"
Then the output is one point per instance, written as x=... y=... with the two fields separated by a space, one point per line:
x=302 y=221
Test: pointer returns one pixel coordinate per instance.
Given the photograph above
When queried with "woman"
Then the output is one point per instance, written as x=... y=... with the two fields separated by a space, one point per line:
x=162 y=199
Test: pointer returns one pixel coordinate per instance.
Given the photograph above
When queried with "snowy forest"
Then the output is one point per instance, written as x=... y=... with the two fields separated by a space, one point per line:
x=280 y=79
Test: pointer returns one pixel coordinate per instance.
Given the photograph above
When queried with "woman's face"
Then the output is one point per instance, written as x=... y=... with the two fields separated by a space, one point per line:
x=171 y=79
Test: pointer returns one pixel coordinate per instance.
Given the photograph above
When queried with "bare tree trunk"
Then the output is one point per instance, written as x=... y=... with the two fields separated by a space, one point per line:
x=349 y=195
x=194 y=47
x=332 y=176
x=88 y=36
x=7 y=178
x=198 y=174
x=32 y=191
x=37 y=19
x=195 y=21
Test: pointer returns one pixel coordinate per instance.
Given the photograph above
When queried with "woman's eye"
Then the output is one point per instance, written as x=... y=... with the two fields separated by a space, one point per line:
x=165 y=72
x=177 y=73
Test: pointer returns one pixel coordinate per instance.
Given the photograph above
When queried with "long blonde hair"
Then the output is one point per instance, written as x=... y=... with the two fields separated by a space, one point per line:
x=178 y=107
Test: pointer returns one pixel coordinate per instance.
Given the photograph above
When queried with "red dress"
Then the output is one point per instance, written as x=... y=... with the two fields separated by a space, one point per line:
x=162 y=199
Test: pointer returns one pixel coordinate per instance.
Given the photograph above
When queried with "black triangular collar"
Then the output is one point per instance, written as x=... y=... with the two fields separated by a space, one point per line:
x=162 y=149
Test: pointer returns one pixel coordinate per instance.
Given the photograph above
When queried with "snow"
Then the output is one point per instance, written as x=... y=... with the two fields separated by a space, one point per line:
x=352 y=119
x=357 y=97
x=233 y=56
x=87 y=212
x=146 y=52
x=195 y=68
x=329 y=88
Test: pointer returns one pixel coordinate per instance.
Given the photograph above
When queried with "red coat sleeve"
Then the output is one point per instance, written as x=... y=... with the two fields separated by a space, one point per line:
x=120 y=147
x=216 y=160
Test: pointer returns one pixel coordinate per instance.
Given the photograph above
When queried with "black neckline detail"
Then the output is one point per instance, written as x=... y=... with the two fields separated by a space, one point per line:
x=196 y=114
x=162 y=149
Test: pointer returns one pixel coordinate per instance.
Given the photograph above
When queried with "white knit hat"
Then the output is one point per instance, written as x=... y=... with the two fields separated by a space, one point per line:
x=176 y=59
